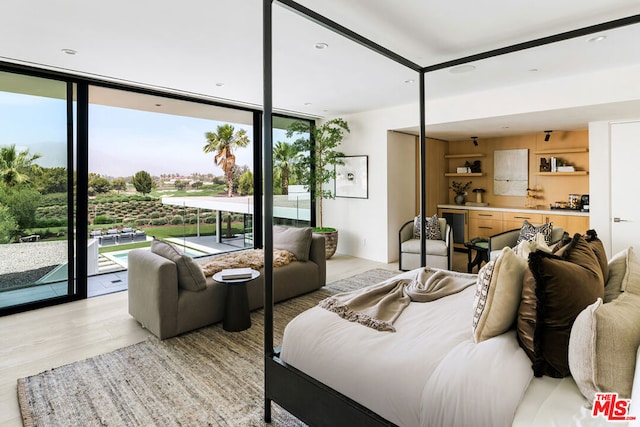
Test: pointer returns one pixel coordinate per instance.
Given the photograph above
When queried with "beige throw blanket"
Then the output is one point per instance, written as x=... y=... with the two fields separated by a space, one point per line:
x=251 y=258
x=379 y=306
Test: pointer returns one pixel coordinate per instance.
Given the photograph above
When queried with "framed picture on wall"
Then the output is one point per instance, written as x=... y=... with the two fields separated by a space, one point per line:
x=351 y=177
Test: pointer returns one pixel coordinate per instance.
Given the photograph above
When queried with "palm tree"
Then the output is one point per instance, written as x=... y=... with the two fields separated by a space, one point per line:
x=284 y=156
x=14 y=166
x=223 y=142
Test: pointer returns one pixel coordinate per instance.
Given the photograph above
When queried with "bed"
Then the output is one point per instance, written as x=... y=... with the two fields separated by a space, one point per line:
x=430 y=372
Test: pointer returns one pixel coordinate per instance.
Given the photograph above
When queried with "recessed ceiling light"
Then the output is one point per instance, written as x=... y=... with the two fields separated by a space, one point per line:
x=307 y=103
x=533 y=70
x=158 y=105
x=597 y=39
x=69 y=51
x=219 y=84
x=462 y=69
x=409 y=81
x=321 y=46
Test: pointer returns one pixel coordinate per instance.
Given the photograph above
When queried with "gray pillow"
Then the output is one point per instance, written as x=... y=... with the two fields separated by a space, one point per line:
x=293 y=239
x=190 y=275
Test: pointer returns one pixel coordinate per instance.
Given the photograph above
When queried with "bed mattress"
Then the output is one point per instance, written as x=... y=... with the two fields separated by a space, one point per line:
x=430 y=372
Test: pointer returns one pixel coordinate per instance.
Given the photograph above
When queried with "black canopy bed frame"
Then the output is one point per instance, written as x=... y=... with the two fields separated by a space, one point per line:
x=303 y=396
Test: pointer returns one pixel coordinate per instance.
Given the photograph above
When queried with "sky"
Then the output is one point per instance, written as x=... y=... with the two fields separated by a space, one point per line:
x=121 y=141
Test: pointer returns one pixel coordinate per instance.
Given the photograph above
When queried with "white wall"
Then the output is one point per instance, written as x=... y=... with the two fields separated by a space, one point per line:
x=363 y=225
x=600 y=181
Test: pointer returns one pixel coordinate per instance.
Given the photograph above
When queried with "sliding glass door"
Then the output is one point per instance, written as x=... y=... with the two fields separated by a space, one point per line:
x=36 y=190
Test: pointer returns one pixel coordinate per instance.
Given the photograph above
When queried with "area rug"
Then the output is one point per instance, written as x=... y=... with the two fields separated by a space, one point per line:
x=208 y=377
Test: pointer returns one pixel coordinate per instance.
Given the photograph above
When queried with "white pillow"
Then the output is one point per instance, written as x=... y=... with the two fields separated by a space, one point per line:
x=618 y=266
x=497 y=298
x=525 y=247
x=631 y=280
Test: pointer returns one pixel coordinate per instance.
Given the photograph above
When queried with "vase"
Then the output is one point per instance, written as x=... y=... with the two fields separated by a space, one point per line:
x=330 y=242
x=459 y=199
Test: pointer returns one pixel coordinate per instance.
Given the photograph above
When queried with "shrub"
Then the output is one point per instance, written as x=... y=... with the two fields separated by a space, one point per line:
x=141 y=222
x=177 y=219
x=103 y=219
x=50 y=222
x=159 y=221
x=154 y=215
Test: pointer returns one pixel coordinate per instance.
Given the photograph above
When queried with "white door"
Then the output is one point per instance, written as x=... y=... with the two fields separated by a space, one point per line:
x=625 y=204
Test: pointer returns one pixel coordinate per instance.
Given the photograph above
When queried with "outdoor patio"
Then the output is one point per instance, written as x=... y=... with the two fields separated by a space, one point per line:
x=112 y=273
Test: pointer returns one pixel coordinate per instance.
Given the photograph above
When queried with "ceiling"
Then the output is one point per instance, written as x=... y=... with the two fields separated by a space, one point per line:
x=213 y=49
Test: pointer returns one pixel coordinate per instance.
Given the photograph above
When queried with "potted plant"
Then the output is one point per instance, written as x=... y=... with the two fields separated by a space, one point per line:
x=460 y=190
x=318 y=168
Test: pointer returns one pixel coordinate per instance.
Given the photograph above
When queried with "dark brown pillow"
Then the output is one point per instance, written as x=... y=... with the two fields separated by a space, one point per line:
x=554 y=292
x=598 y=248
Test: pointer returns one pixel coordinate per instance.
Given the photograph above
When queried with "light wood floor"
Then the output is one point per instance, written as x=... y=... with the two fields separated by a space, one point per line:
x=38 y=340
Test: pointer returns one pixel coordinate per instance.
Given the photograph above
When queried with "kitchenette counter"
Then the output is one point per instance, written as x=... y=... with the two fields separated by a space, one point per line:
x=571 y=212
x=469 y=221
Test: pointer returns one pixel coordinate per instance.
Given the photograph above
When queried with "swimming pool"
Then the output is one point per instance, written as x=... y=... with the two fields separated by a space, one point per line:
x=122 y=257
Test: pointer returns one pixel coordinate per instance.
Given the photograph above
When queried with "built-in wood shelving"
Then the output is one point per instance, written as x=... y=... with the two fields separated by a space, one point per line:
x=464 y=174
x=463 y=156
x=564 y=150
x=574 y=173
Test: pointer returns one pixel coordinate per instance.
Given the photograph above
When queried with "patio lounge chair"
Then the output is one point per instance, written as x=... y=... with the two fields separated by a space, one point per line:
x=109 y=239
x=139 y=236
x=125 y=237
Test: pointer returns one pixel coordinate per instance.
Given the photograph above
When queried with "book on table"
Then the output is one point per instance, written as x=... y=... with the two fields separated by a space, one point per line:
x=235 y=273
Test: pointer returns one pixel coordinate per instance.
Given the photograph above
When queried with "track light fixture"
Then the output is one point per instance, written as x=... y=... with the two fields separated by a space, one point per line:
x=475 y=140
x=548 y=135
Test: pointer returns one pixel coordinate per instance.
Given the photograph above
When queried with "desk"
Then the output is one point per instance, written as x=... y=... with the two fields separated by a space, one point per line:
x=482 y=253
x=236 y=310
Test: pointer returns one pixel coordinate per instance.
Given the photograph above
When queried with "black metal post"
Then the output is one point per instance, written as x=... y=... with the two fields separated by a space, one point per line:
x=81 y=190
x=267 y=140
x=423 y=171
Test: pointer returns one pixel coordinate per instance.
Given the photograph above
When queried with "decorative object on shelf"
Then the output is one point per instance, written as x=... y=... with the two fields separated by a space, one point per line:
x=533 y=194
x=461 y=190
x=545 y=166
x=474 y=167
x=351 y=177
x=479 y=192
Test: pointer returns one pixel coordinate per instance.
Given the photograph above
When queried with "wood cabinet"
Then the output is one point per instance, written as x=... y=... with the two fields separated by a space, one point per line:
x=485 y=223
x=516 y=219
x=468 y=223
x=571 y=223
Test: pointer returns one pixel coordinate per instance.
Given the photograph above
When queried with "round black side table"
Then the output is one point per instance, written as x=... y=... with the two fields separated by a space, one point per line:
x=481 y=246
x=236 y=311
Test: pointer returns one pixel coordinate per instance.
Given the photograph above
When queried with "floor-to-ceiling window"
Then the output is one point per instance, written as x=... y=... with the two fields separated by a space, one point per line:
x=292 y=202
x=135 y=164
x=36 y=146
x=172 y=169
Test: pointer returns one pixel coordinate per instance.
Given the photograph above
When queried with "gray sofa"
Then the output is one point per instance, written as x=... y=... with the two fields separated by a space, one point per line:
x=166 y=309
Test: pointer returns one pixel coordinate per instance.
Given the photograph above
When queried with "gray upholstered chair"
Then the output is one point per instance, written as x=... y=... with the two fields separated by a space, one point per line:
x=439 y=253
x=509 y=238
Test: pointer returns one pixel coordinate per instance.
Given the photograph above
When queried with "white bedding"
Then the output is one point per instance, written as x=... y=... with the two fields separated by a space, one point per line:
x=427 y=373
